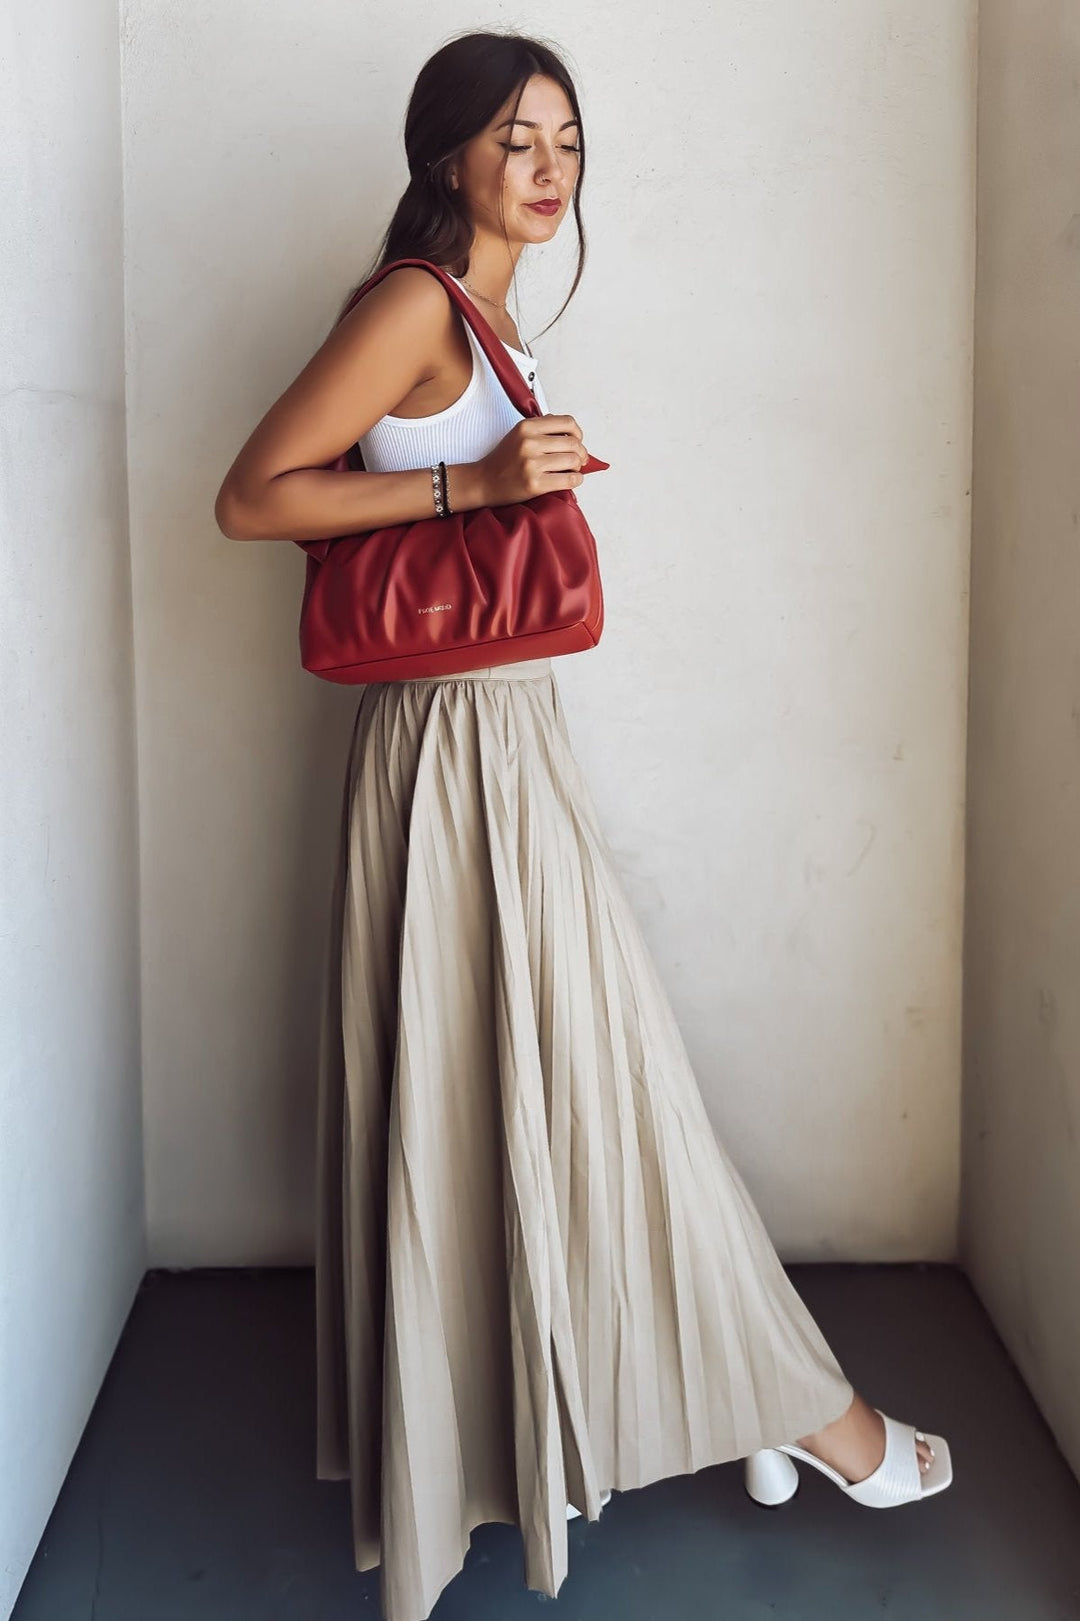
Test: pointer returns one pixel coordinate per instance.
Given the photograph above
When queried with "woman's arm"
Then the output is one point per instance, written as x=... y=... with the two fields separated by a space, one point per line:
x=278 y=487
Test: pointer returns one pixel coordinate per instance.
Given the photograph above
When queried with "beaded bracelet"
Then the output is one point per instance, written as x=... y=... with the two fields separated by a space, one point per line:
x=437 y=488
x=441 y=490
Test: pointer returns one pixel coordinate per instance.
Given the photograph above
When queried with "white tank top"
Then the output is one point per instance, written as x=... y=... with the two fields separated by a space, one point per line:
x=465 y=431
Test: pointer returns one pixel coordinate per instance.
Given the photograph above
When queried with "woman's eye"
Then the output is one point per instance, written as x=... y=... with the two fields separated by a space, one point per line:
x=526 y=149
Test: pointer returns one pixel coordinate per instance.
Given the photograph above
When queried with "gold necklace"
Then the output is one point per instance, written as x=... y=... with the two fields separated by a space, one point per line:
x=488 y=300
x=484 y=296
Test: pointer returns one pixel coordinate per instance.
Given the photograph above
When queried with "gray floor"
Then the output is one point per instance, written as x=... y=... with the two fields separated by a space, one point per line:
x=192 y=1493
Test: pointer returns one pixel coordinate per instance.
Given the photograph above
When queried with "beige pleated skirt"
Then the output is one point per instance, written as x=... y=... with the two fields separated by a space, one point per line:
x=538 y=1274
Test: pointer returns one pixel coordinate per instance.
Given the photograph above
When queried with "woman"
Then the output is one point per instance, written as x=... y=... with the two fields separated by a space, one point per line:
x=539 y=1276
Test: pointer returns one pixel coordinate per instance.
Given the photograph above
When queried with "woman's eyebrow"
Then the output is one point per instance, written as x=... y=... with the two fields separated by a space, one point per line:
x=528 y=123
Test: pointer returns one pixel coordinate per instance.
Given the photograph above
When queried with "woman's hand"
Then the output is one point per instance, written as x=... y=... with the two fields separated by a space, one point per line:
x=538 y=454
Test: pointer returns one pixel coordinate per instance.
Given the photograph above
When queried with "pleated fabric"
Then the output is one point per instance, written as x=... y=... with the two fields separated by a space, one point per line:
x=538 y=1274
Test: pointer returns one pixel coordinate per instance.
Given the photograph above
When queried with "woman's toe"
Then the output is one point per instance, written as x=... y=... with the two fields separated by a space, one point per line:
x=924 y=1451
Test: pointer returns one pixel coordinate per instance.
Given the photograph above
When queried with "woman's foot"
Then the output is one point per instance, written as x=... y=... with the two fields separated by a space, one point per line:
x=854 y=1443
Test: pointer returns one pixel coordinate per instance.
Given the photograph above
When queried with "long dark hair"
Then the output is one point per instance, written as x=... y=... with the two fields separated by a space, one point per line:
x=457 y=93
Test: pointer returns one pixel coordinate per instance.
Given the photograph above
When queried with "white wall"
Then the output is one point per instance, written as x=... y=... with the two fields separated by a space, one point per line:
x=72 y=1239
x=772 y=346
x=1021 y=1232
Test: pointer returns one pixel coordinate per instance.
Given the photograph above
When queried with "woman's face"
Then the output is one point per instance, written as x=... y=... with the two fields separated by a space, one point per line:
x=542 y=163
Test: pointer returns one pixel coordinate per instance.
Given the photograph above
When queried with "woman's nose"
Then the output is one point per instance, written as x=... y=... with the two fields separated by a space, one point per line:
x=550 y=166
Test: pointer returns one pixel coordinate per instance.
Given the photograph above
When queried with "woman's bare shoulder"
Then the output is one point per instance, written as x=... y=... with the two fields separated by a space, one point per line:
x=404 y=295
x=371 y=360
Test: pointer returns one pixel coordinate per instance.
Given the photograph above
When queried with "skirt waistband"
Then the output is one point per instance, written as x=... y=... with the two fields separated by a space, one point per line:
x=520 y=670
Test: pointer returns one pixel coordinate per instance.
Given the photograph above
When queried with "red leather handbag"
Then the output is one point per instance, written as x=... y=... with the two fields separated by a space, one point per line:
x=489 y=586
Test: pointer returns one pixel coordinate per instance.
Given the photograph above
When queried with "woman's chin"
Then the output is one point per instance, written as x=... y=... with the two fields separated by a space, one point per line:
x=541 y=225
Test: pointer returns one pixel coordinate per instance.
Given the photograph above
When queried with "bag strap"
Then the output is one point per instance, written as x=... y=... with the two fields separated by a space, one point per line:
x=521 y=395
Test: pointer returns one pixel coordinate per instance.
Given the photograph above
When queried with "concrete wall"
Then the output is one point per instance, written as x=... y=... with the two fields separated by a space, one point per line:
x=1021 y=1140
x=72 y=1236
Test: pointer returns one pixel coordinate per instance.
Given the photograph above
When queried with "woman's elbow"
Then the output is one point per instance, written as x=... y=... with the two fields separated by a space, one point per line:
x=229 y=515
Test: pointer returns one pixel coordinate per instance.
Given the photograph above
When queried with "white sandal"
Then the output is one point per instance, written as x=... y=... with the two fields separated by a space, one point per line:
x=572 y=1513
x=771 y=1478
